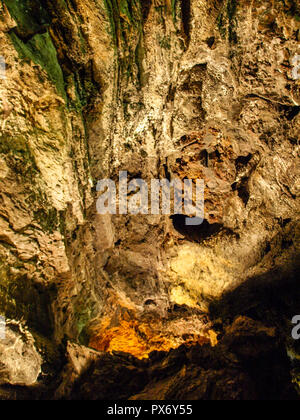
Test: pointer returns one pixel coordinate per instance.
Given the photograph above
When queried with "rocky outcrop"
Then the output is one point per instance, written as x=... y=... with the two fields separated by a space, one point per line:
x=248 y=363
x=20 y=363
x=160 y=89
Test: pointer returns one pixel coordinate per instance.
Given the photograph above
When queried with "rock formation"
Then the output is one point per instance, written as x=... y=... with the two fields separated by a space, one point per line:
x=141 y=307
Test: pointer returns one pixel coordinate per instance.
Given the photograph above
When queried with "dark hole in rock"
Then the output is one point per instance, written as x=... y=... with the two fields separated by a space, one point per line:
x=195 y=233
x=290 y=112
x=186 y=17
x=267 y=249
x=286 y=222
x=204 y=158
x=146 y=4
x=187 y=337
x=293 y=141
x=179 y=308
x=242 y=189
x=216 y=155
x=184 y=139
x=171 y=94
x=150 y=302
x=242 y=161
x=286 y=244
x=167 y=173
x=211 y=41
x=129 y=8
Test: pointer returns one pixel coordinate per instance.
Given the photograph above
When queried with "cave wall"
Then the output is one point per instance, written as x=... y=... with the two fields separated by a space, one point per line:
x=193 y=89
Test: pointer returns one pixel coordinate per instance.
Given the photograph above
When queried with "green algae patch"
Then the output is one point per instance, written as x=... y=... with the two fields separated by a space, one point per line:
x=32 y=40
x=126 y=29
x=30 y=16
x=41 y=51
x=227 y=21
x=123 y=15
x=47 y=219
x=174 y=4
x=19 y=156
x=85 y=310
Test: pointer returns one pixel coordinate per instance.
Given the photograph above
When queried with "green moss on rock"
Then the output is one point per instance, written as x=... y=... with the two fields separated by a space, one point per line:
x=32 y=40
x=40 y=50
x=84 y=312
x=126 y=28
x=30 y=16
x=174 y=5
x=227 y=21
x=18 y=156
x=47 y=219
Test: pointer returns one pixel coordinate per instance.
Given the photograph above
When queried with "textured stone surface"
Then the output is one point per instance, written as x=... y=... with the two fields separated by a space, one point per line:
x=248 y=363
x=20 y=363
x=194 y=88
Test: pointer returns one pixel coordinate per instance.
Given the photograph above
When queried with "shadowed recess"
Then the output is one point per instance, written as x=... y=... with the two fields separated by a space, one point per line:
x=195 y=233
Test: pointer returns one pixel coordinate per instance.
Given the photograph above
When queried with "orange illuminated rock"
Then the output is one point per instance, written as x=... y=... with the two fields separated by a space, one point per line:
x=142 y=338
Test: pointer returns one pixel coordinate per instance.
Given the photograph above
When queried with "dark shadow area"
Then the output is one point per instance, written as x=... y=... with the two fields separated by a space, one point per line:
x=242 y=161
x=196 y=233
x=146 y=5
x=242 y=188
x=211 y=42
x=186 y=18
x=249 y=362
x=32 y=17
x=290 y=112
x=272 y=300
x=271 y=297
